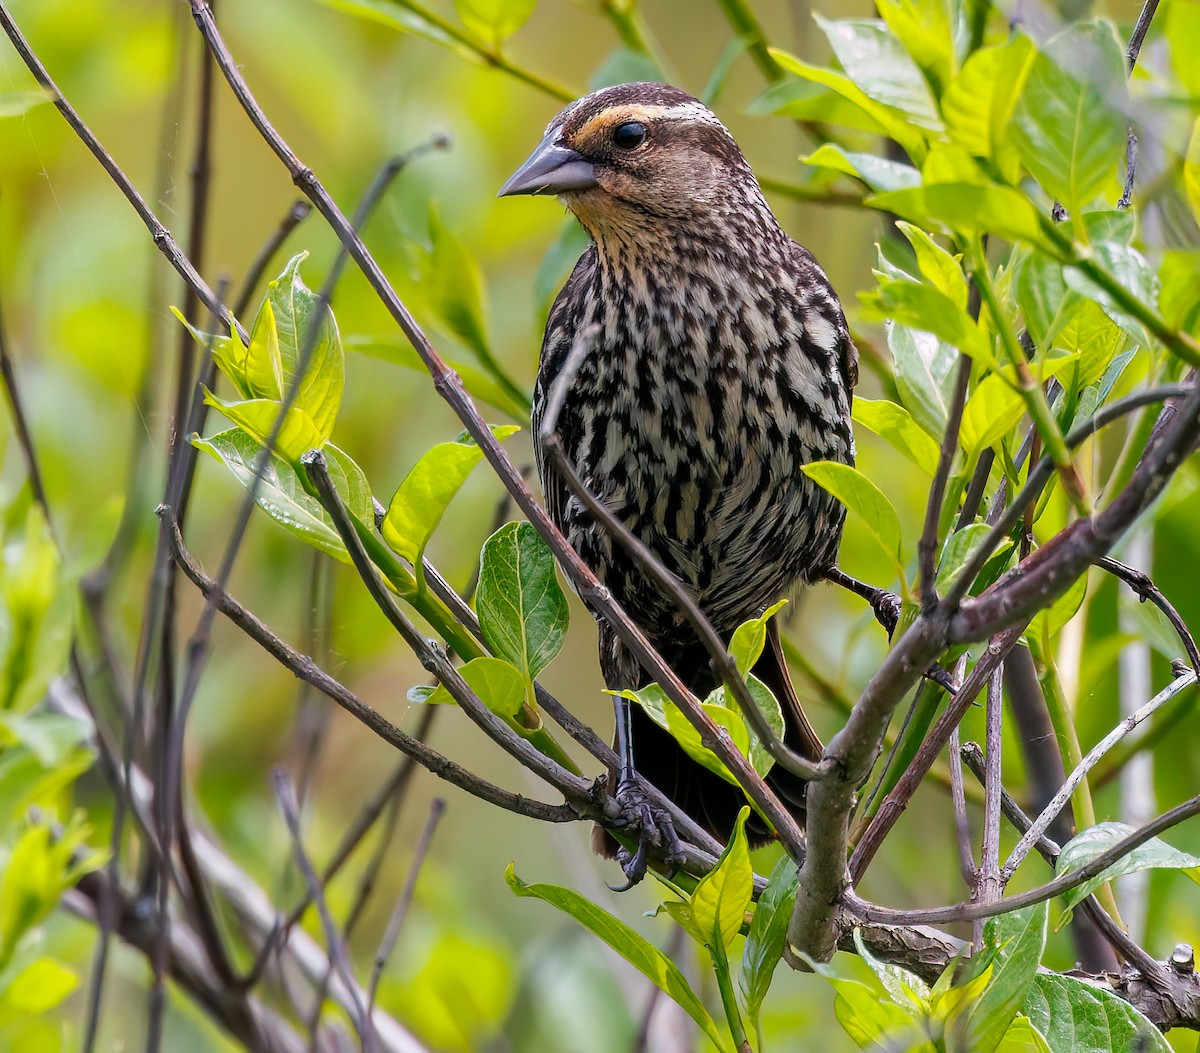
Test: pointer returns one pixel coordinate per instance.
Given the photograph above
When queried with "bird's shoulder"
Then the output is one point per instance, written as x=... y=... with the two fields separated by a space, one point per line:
x=810 y=277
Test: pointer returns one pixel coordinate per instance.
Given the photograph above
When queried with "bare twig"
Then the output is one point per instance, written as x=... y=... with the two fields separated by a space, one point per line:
x=927 y=546
x=991 y=881
x=962 y=825
x=396 y=923
x=1080 y=773
x=1145 y=589
x=285 y=794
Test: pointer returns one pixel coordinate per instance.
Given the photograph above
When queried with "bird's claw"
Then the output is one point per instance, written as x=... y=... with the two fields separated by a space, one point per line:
x=652 y=825
x=886 y=606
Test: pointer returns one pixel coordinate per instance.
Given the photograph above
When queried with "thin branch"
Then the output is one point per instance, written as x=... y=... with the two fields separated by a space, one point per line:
x=960 y=912
x=962 y=825
x=304 y=668
x=285 y=794
x=1140 y=29
x=1080 y=773
x=396 y=923
x=1145 y=589
x=991 y=881
x=935 y=741
x=1117 y=937
x=927 y=546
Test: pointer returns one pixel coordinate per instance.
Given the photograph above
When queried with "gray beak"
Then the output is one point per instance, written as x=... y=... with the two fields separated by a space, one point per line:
x=551 y=169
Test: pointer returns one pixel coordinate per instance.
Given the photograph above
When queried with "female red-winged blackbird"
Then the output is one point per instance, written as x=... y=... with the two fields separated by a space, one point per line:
x=718 y=362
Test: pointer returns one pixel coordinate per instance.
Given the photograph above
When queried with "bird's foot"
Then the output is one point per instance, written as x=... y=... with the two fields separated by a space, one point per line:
x=886 y=606
x=942 y=678
x=653 y=825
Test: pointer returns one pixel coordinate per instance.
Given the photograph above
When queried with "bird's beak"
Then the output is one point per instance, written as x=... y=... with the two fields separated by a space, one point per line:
x=551 y=169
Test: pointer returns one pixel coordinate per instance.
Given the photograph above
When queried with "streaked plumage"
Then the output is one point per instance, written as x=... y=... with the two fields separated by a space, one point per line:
x=721 y=362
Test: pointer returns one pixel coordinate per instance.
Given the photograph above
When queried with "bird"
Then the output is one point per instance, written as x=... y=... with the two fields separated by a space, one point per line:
x=696 y=359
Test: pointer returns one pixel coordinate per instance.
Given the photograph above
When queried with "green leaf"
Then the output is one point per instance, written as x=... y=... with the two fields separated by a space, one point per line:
x=393 y=15
x=721 y=898
x=1018 y=940
x=937 y=265
x=478 y=384
x=1042 y=294
x=635 y=949
x=1132 y=270
x=261 y=362
x=957 y=550
x=456 y=288
x=1068 y=123
x=865 y=499
x=688 y=737
x=885 y=118
x=522 y=609
x=992 y=410
x=623 y=66
x=1191 y=171
x=38 y=988
x=876 y=1023
x=748 y=640
x=804 y=100
x=498 y=683
x=926 y=32
x=924 y=375
x=978 y=105
x=879 y=173
x=905 y=989
x=1155 y=854
x=894 y=424
x=258 y=417
x=494 y=20
x=1075 y=1017
x=421 y=500
x=967 y=209
x=281 y=493
x=925 y=307
x=1049 y=622
x=767 y=935
x=300 y=328
x=878 y=64
x=1023 y=1037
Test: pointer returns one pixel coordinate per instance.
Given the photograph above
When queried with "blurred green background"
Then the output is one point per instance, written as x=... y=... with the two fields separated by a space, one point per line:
x=86 y=301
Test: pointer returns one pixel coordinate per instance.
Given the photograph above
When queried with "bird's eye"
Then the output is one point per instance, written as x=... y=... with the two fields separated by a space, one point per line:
x=630 y=134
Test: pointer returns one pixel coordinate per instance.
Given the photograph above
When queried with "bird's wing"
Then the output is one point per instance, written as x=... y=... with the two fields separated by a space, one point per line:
x=810 y=275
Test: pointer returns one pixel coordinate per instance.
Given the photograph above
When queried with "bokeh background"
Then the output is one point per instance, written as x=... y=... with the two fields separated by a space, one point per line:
x=86 y=301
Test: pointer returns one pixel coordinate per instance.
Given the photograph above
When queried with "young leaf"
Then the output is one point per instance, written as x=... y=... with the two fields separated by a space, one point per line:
x=992 y=410
x=299 y=329
x=498 y=683
x=927 y=33
x=877 y=62
x=281 y=494
x=957 y=550
x=421 y=500
x=1018 y=940
x=906 y=989
x=257 y=418
x=924 y=371
x=635 y=949
x=494 y=20
x=750 y=638
x=967 y=209
x=1043 y=297
x=923 y=306
x=1075 y=1017
x=768 y=932
x=865 y=499
x=879 y=173
x=1154 y=854
x=522 y=610
x=721 y=898
x=894 y=424
x=937 y=265
x=1068 y=123
x=1047 y=623
x=884 y=118
x=979 y=103
x=688 y=737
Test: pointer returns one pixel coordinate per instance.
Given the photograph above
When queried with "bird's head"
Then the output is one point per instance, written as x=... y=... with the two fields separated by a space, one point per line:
x=636 y=156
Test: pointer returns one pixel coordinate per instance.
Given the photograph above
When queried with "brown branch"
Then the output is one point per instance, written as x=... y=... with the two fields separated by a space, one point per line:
x=960 y=912
x=991 y=880
x=1145 y=589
